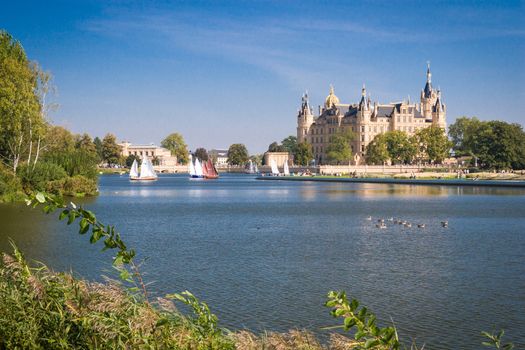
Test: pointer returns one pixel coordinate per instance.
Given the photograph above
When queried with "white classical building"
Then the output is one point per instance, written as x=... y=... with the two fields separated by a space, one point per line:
x=158 y=155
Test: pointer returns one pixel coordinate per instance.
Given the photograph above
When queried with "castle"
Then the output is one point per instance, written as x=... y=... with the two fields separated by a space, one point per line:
x=366 y=120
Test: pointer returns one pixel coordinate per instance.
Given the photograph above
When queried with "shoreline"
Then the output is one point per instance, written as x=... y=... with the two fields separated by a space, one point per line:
x=438 y=182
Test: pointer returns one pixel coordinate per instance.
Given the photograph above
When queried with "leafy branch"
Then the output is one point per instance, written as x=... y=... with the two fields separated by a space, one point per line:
x=494 y=341
x=368 y=334
x=87 y=221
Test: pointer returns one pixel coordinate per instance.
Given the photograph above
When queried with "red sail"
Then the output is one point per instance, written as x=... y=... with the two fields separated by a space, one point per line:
x=211 y=171
x=205 y=169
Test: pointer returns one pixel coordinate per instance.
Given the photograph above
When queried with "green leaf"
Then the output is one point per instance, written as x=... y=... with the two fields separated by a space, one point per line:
x=84 y=226
x=40 y=197
x=349 y=323
x=370 y=343
x=71 y=217
x=359 y=334
x=63 y=214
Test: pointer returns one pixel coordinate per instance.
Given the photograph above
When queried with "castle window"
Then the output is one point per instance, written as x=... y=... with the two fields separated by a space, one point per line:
x=321 y=140
x=362 y=148
x=363 y=128
x=362 y=138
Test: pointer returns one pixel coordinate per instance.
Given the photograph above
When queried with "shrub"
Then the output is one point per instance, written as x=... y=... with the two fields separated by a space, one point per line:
x=37 y=178
x=10 y=186
x=76 y=186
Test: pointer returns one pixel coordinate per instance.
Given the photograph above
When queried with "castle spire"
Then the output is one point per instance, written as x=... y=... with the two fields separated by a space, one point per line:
x=428 y=85
x=363 y=105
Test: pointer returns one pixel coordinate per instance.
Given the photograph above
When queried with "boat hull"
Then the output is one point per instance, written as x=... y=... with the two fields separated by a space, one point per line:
x=143 y=178
x=212 y=177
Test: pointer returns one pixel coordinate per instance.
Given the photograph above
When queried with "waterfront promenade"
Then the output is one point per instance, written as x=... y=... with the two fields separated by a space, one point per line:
x=439 y=182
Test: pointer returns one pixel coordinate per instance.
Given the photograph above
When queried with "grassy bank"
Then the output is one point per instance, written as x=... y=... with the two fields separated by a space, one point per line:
x=42 y=309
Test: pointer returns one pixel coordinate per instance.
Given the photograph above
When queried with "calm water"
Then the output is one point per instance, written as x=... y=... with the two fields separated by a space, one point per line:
x=263 y=254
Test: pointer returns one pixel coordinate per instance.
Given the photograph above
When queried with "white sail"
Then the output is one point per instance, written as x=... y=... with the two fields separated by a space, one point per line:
x=198 y=168
x=256 y=169
x=191 y=167
x=275 y=170
x=286 y=169
x=134 y=171
x=151 y=172
x=146 y=169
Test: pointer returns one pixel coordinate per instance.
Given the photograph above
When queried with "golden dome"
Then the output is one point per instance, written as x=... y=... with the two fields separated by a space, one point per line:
x=331 y=99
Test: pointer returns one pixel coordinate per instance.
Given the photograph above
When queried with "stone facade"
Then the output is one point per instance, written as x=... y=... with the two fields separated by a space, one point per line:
x=220 y=156
x=163 y=155
x=366 y=119
x=279 y=157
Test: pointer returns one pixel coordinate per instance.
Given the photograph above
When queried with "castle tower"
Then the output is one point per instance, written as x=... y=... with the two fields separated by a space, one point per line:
x=428 y=96
x=305 y=119
x=439 y=112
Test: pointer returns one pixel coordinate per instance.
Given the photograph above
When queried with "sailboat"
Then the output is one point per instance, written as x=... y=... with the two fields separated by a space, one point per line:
x=273 y=165
x=197 y=169
x=147 y=173
x=209 y=170
x=286 y=169
x=191 y=167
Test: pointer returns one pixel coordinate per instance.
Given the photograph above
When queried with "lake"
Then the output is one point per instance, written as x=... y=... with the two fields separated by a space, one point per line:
x=263 y=254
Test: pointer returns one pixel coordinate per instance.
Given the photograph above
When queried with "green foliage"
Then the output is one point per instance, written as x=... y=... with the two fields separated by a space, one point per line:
x=175 y=143
x=496 y=144
x=205 y=322
x=77 y=186
x=110 y=150
x=275 y=147
x=21 y=120
x=494 y=341
x=368 y=334
x=400 y=147
x=303 y=153
x=87 y=221
x=433 y=144
x=40 y=309
x=38 y=177
x=338 y=150
x=10 y=186
x=377 y=151
x=130 y=159
x=237 y=154
x=201 y=153
x=290 y=144
x=98 y=147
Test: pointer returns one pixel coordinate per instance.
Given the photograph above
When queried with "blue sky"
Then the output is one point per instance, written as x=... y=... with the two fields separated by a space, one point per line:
x=223 y=72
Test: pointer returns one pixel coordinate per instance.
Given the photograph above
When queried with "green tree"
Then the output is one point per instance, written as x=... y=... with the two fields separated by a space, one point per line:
x=98 y=146
x=500 y=145
x=290 y=144
x=401 y=148
x=59 y=140
x=377 y=151
x=201 y=153
x=463 y=133
x=433 y=144
x=21 y=122
x=85 y=143
x=275 y=147
x=237 y=154
x=175 y=143
x=338 y=150
x=303 y=153
x=131 y=158
x=111 y=150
